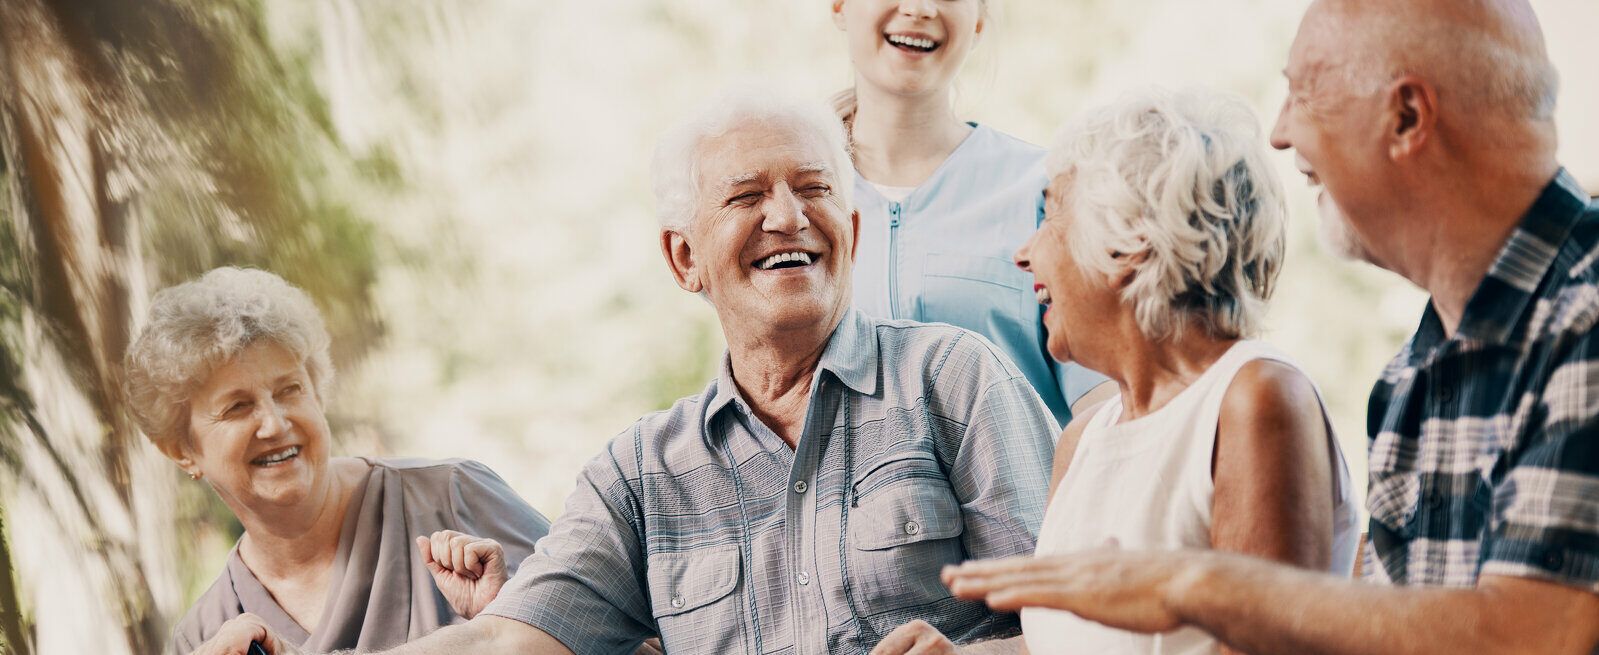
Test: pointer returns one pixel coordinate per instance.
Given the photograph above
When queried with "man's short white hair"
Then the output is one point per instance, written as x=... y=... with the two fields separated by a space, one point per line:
x=676 y=165
x=1182 y=178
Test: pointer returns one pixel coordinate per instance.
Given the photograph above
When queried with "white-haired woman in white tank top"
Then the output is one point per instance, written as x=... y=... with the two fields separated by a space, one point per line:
x=1163 y=233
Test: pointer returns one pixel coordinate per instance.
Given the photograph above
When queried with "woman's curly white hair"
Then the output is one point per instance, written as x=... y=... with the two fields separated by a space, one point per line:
x=1181 y=178
x=198 y=326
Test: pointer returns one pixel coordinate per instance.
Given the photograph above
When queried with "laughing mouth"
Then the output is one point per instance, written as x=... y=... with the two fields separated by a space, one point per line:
x=1042 y=293
x=785 y=259
x=276 y=458
x=911 y=43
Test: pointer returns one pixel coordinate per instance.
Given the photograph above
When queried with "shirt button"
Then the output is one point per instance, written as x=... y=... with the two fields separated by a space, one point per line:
x=799 y=486
x=1447 y=395
x=1554 y=560
x=912 y=528
x=1434 y=500
x=677 y=600
x=804 y=578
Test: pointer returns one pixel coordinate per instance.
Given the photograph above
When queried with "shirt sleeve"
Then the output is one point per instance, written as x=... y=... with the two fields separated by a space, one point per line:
x=485 y=506
x=1545 y=517
x=1001 y=472
x=999 y=441
x=585 y=584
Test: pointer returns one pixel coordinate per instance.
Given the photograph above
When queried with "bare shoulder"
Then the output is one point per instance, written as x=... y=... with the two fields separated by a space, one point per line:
x=1270 y=395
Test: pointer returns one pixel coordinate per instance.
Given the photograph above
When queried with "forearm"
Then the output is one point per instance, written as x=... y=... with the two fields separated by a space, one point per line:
x=1261 y=608
x=485 y=634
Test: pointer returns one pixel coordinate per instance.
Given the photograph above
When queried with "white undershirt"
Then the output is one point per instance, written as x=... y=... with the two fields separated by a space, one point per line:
x=893 y=193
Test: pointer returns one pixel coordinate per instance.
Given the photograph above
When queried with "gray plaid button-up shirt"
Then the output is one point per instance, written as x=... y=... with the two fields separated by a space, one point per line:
x=922 y=446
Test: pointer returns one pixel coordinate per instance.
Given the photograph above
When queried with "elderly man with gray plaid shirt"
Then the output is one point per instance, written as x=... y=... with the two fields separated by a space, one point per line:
x=805 y=502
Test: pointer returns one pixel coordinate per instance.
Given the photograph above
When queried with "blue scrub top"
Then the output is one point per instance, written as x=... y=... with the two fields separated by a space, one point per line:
x=943 y=255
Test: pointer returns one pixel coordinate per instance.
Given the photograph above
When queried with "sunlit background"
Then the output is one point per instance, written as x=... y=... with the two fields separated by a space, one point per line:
x=463 y=187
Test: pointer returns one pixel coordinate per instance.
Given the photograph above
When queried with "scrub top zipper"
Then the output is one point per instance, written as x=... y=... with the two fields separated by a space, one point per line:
x=893 y=261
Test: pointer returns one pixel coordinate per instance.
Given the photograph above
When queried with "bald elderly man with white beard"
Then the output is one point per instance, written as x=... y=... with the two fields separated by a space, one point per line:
x=1429 y=124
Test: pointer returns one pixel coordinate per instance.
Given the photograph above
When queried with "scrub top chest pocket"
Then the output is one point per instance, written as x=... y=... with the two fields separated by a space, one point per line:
x=979 y=293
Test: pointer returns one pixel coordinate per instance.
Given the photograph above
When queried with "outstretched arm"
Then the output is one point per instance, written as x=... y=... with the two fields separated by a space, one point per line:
x=1262 y=607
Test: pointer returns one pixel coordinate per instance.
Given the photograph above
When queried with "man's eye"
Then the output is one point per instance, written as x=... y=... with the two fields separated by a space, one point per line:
x=236 y=408
x=817 y=190
x=744 y=198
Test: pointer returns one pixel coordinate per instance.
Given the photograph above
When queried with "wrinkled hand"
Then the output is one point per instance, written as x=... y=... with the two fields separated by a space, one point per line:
x=234 y=638
x=915 y=638
x=468 y=570
x=1129 y=590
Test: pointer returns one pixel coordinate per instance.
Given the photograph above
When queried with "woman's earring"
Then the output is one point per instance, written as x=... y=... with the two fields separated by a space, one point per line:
x=194 y=475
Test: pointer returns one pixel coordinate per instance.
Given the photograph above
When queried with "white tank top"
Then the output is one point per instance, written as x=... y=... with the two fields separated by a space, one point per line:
x=1147 y=483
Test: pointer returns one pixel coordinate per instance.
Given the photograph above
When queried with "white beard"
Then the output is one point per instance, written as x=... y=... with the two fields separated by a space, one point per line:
x=1336 y=234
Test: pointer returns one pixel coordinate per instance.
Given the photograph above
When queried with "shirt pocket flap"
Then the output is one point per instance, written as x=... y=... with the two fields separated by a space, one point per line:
x=681 y=582
x=914 y=510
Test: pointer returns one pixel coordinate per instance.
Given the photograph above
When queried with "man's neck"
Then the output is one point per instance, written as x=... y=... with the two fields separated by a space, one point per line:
x=1470 y=223
x=774 y=371
x=901 y=140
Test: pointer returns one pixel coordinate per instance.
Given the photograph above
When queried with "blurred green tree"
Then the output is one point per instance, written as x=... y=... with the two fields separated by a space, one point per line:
x=143 y=143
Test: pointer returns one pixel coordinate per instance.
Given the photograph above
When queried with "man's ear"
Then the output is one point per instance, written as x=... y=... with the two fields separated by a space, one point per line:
x=838 y=14
x=1411 y=116
x=680 y=258
x=855 y=232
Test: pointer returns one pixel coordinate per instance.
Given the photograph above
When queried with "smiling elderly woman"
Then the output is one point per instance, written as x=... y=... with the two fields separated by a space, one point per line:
x=228 y=379
x=1163 y=234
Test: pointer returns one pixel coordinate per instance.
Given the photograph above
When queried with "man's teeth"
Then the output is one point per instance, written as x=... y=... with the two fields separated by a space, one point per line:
x=925 y=44
x=279 y=457
x=1043 y=296
x=804 y=258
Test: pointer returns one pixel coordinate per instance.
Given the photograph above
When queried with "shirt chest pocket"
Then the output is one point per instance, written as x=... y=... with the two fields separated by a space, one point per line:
x=904 y=524
x=901 y=502
x=692 y=599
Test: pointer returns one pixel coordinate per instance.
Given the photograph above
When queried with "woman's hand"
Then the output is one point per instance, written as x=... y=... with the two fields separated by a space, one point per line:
x=235 y=636
x=468 y=570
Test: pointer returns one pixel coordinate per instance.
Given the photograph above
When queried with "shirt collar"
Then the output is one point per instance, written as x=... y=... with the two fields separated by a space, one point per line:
x=850 y=355
x=1501 y=299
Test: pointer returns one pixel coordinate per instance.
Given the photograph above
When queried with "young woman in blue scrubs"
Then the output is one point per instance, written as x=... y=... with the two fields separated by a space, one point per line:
x=944 y=203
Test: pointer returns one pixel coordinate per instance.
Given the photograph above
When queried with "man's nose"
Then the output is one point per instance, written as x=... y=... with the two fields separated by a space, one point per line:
x=1279 y=131
x=784 y=212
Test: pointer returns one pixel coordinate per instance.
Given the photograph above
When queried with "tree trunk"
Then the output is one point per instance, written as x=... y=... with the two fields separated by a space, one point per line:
x=73 y=455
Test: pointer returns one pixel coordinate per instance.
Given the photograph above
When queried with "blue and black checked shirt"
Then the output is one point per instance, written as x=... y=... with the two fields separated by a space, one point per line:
x=1485 y=445
x=922 y=447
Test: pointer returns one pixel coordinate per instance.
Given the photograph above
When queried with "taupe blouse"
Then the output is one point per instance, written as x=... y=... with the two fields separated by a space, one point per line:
x=380 y=594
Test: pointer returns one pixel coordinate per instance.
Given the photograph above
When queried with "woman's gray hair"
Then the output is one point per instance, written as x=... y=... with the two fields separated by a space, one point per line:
x=198 y=326
x=1183 y=179
x=676 y=165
